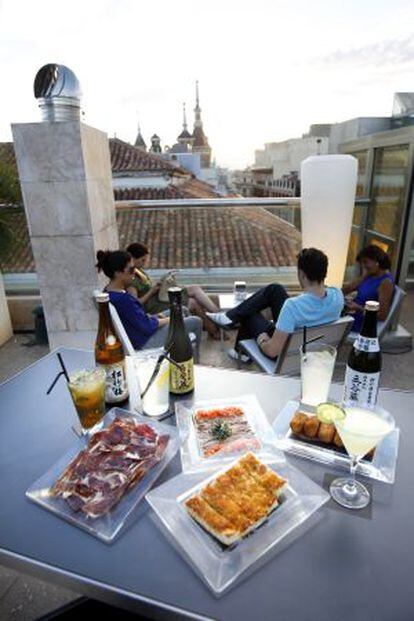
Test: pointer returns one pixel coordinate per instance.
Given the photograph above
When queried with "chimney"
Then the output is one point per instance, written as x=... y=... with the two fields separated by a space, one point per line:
x=57 y=90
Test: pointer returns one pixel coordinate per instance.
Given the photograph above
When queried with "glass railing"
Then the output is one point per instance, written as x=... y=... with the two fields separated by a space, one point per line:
x=212 y=242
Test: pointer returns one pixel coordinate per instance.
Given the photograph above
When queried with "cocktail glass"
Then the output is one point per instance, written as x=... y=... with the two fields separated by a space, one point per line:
x=316 y=369
x=87 y=388
x=361 y=431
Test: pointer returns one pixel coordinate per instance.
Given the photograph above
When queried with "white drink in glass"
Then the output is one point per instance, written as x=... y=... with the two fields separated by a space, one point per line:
x=317 y=365
x=361 y=430
x=156 y=399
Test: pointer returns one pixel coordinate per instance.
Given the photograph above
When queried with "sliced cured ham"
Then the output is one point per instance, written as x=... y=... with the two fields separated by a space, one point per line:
x=115 y=460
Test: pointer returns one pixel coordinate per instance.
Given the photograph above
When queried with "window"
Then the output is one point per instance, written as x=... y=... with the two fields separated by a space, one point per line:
x=388 y=190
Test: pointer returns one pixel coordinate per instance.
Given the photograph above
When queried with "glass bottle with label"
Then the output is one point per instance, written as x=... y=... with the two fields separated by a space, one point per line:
x=109 y=354
x=179 y=345
x=364 y=363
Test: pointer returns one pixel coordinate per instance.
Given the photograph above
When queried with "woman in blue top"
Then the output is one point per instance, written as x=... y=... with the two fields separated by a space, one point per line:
x=375 y=283
x=142 y=329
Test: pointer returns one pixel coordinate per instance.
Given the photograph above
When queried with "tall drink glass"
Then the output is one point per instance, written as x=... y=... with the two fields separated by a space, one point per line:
x=156 y=400
x=87 y=388
x=316 y=368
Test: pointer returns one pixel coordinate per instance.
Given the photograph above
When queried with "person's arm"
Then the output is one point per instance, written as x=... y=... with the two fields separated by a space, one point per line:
x=132 y=312
x=148 y=295
x=385 y=293
x=352 y=286
x=272 y=346
x=163 y=321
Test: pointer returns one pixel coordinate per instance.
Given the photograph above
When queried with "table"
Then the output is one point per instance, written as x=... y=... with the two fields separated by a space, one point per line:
x=347 y=567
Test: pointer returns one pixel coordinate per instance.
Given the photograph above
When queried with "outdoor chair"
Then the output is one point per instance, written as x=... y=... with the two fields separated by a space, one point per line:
x=384 y=326
x=288 y=361
x=124 y=338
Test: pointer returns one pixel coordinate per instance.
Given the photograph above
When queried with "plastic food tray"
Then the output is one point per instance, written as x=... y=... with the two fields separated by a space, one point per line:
x=219 y=566
x=381 y=467
x=108 y=526
x=192 y=459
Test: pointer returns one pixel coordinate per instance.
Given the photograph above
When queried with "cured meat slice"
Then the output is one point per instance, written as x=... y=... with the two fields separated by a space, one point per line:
x=116 y=459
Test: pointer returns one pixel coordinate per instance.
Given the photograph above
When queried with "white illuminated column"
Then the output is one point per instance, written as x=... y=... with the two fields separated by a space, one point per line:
x=328 y=185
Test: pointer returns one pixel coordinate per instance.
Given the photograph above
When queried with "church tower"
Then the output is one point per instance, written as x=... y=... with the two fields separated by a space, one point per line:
x=200 y=141
x=155 y=144
x=185 y=138
x=140 y=142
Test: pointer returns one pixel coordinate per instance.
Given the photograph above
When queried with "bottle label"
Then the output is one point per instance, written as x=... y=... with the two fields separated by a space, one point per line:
x=365 y=343
x=182 y=377
x=360 y=388
x=116 y=387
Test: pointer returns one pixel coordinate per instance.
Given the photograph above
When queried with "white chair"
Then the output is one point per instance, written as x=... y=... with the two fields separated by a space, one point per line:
x=384 y=326
x=120 y=330
x=124 y=338
x=288 y=361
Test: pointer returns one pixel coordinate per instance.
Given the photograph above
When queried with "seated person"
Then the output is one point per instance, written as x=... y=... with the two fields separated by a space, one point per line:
x=197 y=301
x=317 y=305
x=375 y=283
x=142 y=329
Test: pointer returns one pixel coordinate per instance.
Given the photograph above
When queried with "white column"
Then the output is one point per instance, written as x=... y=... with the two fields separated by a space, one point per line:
x=66 y=180
x=328 y=185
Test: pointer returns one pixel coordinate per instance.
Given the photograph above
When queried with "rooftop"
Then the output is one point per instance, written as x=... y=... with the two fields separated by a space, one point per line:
x=183 y=237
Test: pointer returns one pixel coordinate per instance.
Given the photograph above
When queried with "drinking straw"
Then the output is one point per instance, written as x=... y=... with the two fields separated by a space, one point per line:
x=62 y=372
x=312 y=340
x=315 y=338
x=62 y=364
x=157 y=369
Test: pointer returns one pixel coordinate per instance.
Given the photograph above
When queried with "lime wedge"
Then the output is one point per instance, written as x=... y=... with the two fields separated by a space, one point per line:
x=329 y=412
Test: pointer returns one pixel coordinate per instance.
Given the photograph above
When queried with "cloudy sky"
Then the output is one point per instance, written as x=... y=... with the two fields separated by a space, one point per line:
x=267 y=69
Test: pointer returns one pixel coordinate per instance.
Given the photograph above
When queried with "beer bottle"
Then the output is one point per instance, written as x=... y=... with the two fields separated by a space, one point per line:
x=109 y=354
x=180 y=349
x=364 y=363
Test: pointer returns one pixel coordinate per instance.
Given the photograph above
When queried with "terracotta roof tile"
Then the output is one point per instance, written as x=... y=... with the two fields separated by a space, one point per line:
x=202 y=237
x=125 y=158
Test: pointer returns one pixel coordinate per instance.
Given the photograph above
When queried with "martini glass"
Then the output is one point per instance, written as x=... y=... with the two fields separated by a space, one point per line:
x=361 y=431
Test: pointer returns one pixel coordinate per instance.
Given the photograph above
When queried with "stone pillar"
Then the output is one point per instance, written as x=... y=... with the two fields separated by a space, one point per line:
x=66 y=180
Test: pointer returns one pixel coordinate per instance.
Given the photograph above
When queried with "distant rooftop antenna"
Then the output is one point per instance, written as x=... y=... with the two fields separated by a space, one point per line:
x=57 y=89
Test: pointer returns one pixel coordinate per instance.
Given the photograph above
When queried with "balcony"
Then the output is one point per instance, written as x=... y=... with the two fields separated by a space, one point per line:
x=212 y=242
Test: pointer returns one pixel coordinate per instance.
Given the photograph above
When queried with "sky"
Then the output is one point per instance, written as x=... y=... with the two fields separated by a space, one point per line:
x=267 y=69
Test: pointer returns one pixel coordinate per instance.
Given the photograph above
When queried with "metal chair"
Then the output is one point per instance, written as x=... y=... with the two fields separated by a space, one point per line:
x=288 y=361
x=384 y=326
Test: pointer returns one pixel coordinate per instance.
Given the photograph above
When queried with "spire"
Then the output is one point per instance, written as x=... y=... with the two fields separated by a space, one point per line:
x=197 y=110
x=185 y=137
x=184 y=118
x=139 y=141
x=199 y=139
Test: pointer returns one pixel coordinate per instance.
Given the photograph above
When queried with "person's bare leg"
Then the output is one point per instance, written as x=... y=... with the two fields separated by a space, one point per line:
x=196 y=309
x=196 y=292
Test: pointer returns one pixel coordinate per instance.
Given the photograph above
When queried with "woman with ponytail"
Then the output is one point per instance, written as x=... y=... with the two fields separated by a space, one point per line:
x=143 y=330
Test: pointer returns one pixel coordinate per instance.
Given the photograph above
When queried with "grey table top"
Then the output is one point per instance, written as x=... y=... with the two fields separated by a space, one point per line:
x=346 y=567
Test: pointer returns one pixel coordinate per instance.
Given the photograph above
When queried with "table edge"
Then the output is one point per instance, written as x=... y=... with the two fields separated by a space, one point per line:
x=92 y=588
